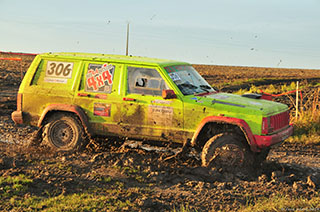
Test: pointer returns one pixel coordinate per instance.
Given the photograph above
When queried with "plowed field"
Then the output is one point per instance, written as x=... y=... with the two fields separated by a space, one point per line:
x=119 y=175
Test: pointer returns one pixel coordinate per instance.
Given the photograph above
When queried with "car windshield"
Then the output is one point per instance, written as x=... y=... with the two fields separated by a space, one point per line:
x=188 y=80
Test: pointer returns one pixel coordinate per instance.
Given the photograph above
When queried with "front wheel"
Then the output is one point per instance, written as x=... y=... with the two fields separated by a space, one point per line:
x=226 y=150
x=64 y=132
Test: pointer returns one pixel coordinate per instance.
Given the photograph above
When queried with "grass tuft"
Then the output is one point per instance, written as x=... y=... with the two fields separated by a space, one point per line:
x=281 y=202
x=183 y=208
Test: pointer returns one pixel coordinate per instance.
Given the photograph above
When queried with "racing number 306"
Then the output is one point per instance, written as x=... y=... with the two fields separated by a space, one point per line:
x=59 y=69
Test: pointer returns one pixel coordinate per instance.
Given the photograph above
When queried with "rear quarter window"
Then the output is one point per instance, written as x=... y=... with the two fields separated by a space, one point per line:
x=55 y=74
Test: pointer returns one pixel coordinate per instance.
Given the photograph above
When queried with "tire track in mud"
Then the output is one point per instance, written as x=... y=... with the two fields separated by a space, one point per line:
x=173 y=183
x=306 y=156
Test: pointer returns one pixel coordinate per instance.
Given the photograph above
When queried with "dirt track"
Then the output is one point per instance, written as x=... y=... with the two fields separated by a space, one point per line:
x=142 y=177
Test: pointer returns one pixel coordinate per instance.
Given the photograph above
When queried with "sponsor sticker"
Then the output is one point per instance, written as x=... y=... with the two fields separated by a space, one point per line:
x=160 y=115
x=159 y=101
x=100 y=78
x=102 y=109
x=59 y=69
x=55 y=80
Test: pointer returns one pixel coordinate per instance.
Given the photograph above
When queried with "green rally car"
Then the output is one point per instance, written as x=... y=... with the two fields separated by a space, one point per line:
x=73 y=96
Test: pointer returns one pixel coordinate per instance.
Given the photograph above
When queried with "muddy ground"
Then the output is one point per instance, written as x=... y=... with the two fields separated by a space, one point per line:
x=143 y=177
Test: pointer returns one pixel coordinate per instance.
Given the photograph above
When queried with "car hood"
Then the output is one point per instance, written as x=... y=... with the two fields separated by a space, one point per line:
x=266 y=107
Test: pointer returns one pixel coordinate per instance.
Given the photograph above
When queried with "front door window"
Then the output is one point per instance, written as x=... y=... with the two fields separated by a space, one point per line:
x=145 y=81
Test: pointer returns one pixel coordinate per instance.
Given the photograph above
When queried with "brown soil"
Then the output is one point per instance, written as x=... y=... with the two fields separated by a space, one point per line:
x=227 y=74
x=290 y=169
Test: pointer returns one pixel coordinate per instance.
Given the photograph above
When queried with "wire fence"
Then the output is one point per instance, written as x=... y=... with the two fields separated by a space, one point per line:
x=303 y=102
x=14 y=57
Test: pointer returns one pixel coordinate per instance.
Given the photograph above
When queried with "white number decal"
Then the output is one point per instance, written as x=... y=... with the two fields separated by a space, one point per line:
x=59 y=69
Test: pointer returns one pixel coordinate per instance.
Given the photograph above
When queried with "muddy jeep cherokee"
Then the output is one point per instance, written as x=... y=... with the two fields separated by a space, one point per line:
x=71 y=96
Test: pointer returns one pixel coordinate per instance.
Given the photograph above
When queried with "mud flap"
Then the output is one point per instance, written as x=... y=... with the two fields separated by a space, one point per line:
x=182 y=153
x=36 y=138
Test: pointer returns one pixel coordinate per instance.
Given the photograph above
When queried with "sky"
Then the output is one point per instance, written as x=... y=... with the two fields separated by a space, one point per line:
x=263 y=33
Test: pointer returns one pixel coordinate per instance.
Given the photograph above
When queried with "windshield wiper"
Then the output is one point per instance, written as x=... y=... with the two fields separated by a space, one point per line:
x=206 y=88
x=188 y=85
x=187 y=88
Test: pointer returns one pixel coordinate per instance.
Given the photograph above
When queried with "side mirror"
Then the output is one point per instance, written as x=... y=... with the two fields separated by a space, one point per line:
x=168 y=94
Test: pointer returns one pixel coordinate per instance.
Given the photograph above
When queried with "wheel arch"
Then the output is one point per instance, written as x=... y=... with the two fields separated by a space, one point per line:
x=74 y=109
x=214 y=125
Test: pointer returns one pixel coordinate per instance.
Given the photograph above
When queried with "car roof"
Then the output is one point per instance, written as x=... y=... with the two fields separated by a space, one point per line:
x=115 y=58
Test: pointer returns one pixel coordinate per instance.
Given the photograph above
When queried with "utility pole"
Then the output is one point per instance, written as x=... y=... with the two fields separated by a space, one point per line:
x=127 y=47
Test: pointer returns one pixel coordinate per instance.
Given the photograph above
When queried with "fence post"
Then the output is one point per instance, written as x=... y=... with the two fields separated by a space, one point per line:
x=297 y=100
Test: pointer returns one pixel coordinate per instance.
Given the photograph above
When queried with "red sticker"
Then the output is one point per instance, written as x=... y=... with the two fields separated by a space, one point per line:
x=107 y=76
x=91 y=82
x=101 y=109
x=99 y=78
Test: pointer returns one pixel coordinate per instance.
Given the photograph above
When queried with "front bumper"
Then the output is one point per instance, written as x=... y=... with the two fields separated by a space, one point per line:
x=264 y=141
x=17 y=117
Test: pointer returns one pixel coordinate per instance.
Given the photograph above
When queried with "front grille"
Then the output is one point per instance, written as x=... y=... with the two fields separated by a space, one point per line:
x=279 y=121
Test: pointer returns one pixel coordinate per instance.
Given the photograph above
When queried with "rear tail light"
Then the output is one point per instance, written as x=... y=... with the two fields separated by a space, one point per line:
x=265 y=125
x=19 y=102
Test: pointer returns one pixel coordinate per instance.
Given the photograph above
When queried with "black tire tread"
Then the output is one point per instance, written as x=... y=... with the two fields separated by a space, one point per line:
x=218 y=141
x=76 y=146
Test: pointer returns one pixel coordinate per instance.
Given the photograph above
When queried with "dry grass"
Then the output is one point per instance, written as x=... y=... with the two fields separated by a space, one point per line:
x=283 y=203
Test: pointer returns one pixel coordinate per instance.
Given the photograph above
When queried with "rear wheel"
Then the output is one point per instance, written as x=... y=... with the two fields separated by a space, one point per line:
x=64 y=132
x=226 y=150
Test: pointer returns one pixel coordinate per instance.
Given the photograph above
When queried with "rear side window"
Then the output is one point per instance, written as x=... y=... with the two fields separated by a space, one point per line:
x=55 y=74
x=99 y=78
x=38 y=73
x=145 y=81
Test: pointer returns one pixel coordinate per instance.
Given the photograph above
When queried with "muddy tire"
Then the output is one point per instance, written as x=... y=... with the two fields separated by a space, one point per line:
x=64 y=132
x=36 y=138
x=260 y=157
x=226 y=150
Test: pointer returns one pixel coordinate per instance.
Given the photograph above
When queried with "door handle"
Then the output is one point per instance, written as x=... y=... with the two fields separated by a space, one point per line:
x=97 y=96
x=84 y=94
x=128 y=99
